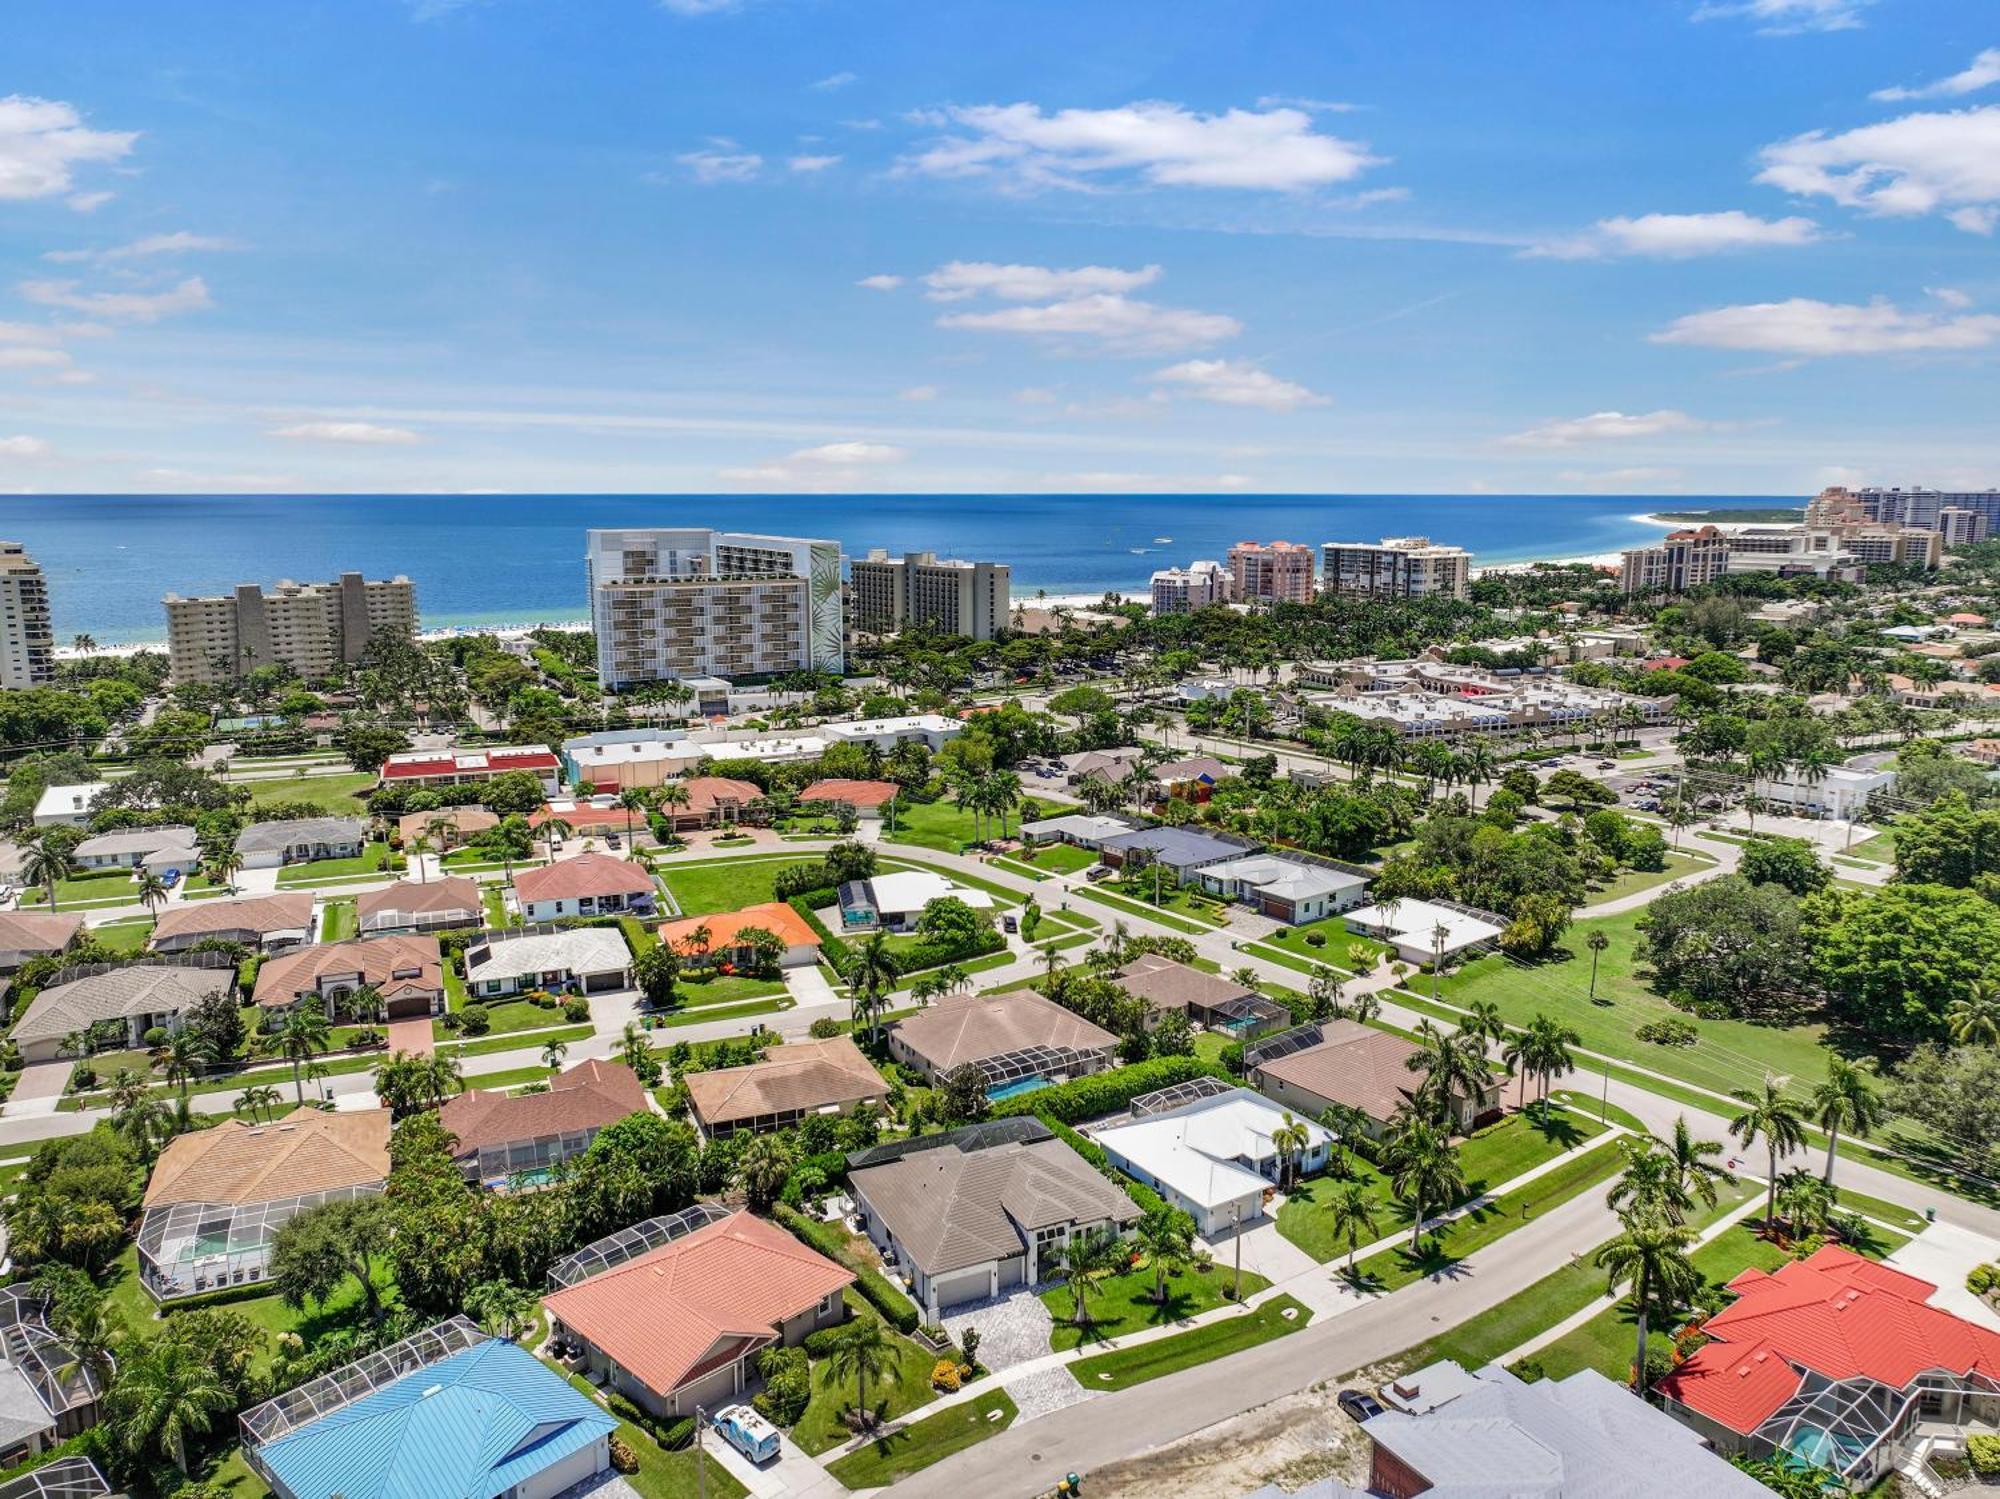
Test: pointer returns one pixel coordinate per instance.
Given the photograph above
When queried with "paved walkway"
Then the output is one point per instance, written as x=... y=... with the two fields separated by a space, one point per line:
x=38 y=1089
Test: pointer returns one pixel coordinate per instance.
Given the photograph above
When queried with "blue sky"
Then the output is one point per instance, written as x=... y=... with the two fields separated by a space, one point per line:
x=1652 y=246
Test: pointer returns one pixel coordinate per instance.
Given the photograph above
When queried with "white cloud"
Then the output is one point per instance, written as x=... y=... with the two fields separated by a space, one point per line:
x=190 y=295
x=919 y=393
x=1680 y=236
x=721 y=165
x=1100 y=479
x=1310 y=106
x=1788 y=17
x=1236 y=382
x=179 y=243
x=833 y=81
x=1153 y=141
x=960 y=279
x=43 y=141
x=360 y=434
x=831 y=465
x=1119 y=324
x=1921 y=163
x=29 y=357
x=882 y=282
x=23 y=447
x=1605 y=426
x=1814 y=329
x=1984 y=71
x=1951 y=296
x=812 y=163
x=89 y=202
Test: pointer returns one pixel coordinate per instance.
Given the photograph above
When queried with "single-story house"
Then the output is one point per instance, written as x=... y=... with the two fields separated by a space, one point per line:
x=420 y=906
x=67 y=806
x=1113 y=765
x=1314 y=1067
x=593 y=959
x=45 y=1396
x=894 y=901
x=35 y=934
x=867 y=798
x=516 y=1139
x=138 y=997
x=1084 y=829
x=1208 y=1000
x=967 y=1214
x=449 y=1411
x=681 y=1325
x=268 y=923
x=458 y=767
x=157 y=849
x=407 y=972
x=454 y=826
x=299 y=840
x=1412 y=927
x=1018 y=1039
x=1286 y=889
x=218 y=1197
x=1183 y=850
x=587 y=885
x=717 y=936
x=1192 y=779
x=1212 y=1157
x=791 y=1083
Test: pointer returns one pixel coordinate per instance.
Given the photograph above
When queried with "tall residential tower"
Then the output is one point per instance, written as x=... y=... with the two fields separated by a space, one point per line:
x=1398 y=567
x=311 y=627
x=27 y=639
x=917 y=588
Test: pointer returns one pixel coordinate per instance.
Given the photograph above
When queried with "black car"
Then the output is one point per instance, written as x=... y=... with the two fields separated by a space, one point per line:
x=1359 y=1404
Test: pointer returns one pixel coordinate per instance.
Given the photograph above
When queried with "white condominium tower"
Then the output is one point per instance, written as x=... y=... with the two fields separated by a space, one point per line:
x=949 y=596
x=1398 y=567
x=310 y=627
x=668 y=604
x=27 y=640
x=1179 y=590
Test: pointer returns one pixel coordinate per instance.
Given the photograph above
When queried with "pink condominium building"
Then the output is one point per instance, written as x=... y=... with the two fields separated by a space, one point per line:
x=1271 y=571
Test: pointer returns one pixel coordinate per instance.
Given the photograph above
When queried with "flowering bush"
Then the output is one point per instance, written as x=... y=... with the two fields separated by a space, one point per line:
x=944 y=1375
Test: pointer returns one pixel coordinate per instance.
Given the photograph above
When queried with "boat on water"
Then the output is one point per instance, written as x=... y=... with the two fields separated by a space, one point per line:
x=1160 y=541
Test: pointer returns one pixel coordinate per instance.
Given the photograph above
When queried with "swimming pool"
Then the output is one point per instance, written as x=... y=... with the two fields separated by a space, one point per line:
x=1014 y=1089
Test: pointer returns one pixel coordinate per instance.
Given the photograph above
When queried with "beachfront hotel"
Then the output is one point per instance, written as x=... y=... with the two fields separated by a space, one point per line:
x=1830 y=545
x=693 y=602
x=1397 y=567
x=309 y=627
x=953 y=597
x=27 y=639
x=1261 y=572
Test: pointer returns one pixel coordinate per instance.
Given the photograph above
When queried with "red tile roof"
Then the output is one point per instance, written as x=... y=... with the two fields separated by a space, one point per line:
x=589 y=1096
x=1836 y=1314
x=492 y=762
x=679 y=1310
x=586 y=874
x=773 y=916
x=854 y=793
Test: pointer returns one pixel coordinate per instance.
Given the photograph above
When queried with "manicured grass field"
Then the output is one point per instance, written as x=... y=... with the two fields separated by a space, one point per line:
x=1881 y=848
x=728 y=885
x=707 y=1014
x=339 y=921
x=1124 y=1304
x=374 y=859
x=125 y=936
x=495 y=901
x=1632 y=881
x=921 y=1443
x=949 y=827
x=1294 y=940
x=1193 y=907
x=1219 y=1339
x=505 y=1016
x=905 y=1389
x=1134 y=908
x=85 y=892
x=338 y=796
x=726 y=989
x=1057 y=858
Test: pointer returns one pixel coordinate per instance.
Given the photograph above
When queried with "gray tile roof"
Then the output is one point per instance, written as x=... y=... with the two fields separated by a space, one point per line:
x=1166 y=985
x=263 y=837
x=971 y=1027
x=142 y=989
x=135 y=841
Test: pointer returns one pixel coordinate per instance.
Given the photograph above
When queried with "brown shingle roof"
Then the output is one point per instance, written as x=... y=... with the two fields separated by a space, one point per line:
x=964 y=1029
x=1353 y=1064
x=395 y=965
x=588 y=1096
x=467 y=821
x=415 y=898
x=38 y=931
x=254 y=913
x=803 y=1077
x=585 y=875
x=306 y=1151
x=1166 y=985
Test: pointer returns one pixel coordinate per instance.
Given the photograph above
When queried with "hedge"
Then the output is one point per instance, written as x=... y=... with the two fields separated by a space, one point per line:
x=1105 y=1092
x=838 y=953
x=896 y=1308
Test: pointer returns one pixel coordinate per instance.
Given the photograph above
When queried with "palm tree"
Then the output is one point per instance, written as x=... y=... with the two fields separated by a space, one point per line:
x=167 y=1392
x=1596 y=942
x=258 y=1100
x=1450 y=1064
x=1806 y=1201
x=1780 y=1120
x=1545 y=1051
x=152 y=891
x=1082 y=1258
x=1352 y=1221
x=762 y=1167
x=633 y=800
x=47 y=867
x=90 y=1331
x=1697 y=1173
x=873 y=974
x=181 y=1058
x=1166 y=1238
x=554 y=831
x=863 y=1352
x=673 y=795
x=1844 y=1102
x=1975 y=1019
x=1290 y=1139
x=1345 y=1123
x=1650 y=1186
x=1653 y=1256
x=303 y=1036
x=223 y=865
x=1423 y=1169
x=553 y=1054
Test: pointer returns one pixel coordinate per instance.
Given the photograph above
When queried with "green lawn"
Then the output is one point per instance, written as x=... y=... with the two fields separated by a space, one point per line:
x=726 y=886
x=1231 y=1333
x=1192 y=905
x=337 y=796
x=1134 y=908
x=1057 y=858
x=1881 y=848
x=916 y=1446
x=495 y=901
x=569 y=1035
x=907 y=1388
x=1632 y=881
x=340 y=922
x=85 y=892
x=663 y=1474
x=507 y=1015
x=374 y=859
x=125 y=936
x=1295 y=941
x=725 y=989
x=949 y=827
x=1124 y=1304
x=707 y=1014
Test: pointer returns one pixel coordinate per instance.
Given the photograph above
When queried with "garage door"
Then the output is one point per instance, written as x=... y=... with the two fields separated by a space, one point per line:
x=974 y=1285
x=597 y=983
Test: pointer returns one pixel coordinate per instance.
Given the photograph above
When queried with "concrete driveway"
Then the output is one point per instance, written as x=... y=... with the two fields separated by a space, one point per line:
x=38 y=1089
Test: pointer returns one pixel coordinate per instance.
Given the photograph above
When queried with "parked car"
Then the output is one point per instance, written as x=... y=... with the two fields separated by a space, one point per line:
x=171 y=878
x=1011 y=922
x=1098 y=872
x=746 y=1431
x=1359 y=1404
x=611 y=841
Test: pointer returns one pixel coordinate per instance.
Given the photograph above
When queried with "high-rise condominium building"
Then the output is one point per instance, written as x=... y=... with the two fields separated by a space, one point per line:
x=1682 y=560
x=27 y=639
x=1182 y=590
x=311 y=627
x=668 y=604
x=917 y=588
x=1281 y=570
x=1924 y=508
x=1963 y=528
x=1397 y=567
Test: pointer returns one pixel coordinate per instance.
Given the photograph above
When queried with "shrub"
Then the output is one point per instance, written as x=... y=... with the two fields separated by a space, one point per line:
x=1668 y=1032
x=623 y=1458
x=1527 y=1370
x=895 y=1307
x=1105 y=1092
x=474 y=1020
x=453 y=1020
x=787 y=1388
x=825 y=1028
x=1315 y=939
x=1981 y=1280
x=1983 y=1452
x=677 y=1435
x=156 y=1036
x=822 y=1341
x=944 y=1375
x=576 y=1009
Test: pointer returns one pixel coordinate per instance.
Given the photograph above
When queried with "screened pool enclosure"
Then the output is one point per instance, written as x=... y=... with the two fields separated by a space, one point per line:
x=192 y=1248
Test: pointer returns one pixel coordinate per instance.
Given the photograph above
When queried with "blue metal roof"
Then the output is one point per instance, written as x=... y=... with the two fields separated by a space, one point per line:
x=1181 y=847
x=470 y=1427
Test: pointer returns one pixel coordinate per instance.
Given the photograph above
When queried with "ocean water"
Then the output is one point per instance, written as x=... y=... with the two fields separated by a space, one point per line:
x=506 y=559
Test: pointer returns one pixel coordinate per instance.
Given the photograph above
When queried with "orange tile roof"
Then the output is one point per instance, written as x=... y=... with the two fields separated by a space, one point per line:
x=773 y=916
x=585 y=875
x=589 y=1096
x=395 y=965
x=685 y=1307
x=855 y=793
x=306 y=1151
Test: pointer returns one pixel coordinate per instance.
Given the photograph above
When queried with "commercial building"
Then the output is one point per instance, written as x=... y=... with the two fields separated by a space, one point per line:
x=1211 y=1156
x=1682 y=560
x=791 y=1083
x=515 y=1141
x=965 y=1215
x=1397 y=567
x=461 y=767
x=1311 y=1068
x=1018 y=1039
x=1832 y=544
x=1839 y=793
x=919 y=588
x=27 y=638
x=669 y=604
x=1925 y=508
x=620 y=758
x=313 y=628
x=1178 y=590
x=1278 y=571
